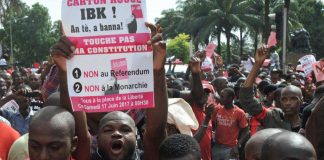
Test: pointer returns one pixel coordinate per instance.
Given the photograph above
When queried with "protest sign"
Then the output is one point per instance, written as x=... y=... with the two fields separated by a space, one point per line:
x=272 y=40
x=210 y=49
x=306 y=64
x=11 y=106
x=318 y=68
x=112 y=67
x=266 y=63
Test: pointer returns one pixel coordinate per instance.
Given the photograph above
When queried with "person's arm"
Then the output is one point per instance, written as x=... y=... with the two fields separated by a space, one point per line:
x=250 y=104
x=203 y=127
x=170 y=66
x=46 y=70
x=82 y=151
x=173 y=68
x=187 y=75
x=244 y=134
x=239 y=72
x=156 y=117
x=318 y=131
x=315 y=128
x=197 y=88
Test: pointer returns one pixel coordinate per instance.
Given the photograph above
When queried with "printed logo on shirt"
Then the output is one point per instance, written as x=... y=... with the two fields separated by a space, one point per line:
x=224 y=121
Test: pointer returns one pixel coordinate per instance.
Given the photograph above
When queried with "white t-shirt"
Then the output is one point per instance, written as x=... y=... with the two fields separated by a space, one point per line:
x=248 y=64
x=207 y=64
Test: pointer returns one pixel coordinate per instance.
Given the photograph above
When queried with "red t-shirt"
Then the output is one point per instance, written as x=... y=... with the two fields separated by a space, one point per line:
x=255 y=121
x=8 y=136
x=205 y=143
x=228 y=124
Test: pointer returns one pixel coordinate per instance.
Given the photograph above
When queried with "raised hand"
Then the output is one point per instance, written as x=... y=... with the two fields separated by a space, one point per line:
x=209 y=109
x=194 y=64
x=61 y=51
x=159 y=46
x=261 y=54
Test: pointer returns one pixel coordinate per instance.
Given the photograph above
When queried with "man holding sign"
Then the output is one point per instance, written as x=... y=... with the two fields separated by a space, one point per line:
x=107 y=72
x=116 y=137
x=94 y=55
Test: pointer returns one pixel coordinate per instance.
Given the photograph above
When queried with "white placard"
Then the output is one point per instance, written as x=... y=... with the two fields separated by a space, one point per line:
x=112 y=67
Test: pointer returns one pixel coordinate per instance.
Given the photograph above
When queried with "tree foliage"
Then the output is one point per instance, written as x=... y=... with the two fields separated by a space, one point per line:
x=171 y=23
x=10 y=9
x=32 y=34
x=179 y=47
x=311 y=17
x=206 y=19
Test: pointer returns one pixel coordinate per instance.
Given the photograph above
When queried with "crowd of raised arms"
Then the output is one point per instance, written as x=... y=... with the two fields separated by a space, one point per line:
x=248 y=111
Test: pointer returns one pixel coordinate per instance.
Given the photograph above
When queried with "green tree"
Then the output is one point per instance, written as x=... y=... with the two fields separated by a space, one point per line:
x=56 y=31
x=170 y=22
x=179 y=47
x=32 y=35
x=10 y=12
x=9 y=9
x=234 y=14
x=311 y=17
x=205 y=19
x=196 y=20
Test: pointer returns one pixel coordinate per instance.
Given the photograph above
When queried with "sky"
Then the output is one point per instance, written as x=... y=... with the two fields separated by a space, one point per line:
x=154 y=7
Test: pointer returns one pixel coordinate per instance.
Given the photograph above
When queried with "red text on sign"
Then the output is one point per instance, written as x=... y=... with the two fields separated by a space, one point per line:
x=84 y=2
x=125 y=1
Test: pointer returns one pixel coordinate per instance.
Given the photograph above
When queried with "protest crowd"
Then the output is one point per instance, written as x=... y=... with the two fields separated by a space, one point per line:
x=251 y=111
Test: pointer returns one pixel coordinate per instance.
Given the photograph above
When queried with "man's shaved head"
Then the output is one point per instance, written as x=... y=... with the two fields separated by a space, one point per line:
x=220 y=83
x=254 y=145
x=291 y=100
x=292 y=88
x=54 y=116
x=52 y=100
x=287 y=145
x=52 y=134
x=117 y=136
x=116 y=115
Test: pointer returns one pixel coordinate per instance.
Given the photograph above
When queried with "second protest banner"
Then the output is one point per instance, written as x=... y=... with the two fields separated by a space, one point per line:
x=112 y=67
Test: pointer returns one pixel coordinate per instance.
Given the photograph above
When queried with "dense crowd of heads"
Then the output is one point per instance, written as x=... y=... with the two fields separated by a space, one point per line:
x=240 y=111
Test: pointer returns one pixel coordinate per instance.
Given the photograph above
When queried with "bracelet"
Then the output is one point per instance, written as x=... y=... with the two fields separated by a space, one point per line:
x=204 y=126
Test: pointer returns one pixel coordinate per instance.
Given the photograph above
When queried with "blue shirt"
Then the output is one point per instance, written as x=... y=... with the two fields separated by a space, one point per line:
x=17 y=121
